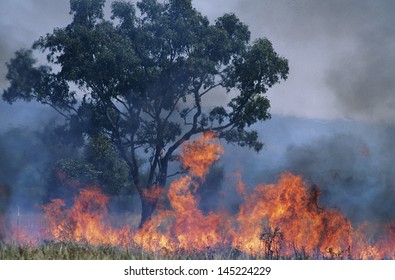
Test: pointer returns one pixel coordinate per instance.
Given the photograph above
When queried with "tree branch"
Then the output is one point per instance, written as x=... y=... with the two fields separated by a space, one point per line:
x=194 y=129
x=56 y=109
x=172 y=109
x=210 y=88
x=176 y=173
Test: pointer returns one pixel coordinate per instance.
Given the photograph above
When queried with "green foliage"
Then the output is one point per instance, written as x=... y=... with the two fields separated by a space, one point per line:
x=29 y=82
x=144 y=78
x=87 y=11
x=149 y=64
x=112 y=171
x=77 y=170
x=99 y=163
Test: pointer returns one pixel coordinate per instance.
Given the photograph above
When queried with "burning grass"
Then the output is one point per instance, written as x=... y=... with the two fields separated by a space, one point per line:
x=81 y=251
x=84 y=251
x=277 y=221
x=59 y=251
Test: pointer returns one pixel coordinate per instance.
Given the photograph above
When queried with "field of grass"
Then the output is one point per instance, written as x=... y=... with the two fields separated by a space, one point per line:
x=80 y=251
x=69 y=251
x=61 y=251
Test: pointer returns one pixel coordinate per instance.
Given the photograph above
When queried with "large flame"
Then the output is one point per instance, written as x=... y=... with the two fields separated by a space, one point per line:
x=288 y=207
x=86 y=221
x=278 y=220
x=185 y=226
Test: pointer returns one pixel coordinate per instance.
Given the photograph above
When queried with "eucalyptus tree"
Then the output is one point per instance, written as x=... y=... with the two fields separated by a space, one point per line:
x=147 y=78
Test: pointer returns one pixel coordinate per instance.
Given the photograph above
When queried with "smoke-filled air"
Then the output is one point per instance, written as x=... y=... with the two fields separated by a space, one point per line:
x=184 y=129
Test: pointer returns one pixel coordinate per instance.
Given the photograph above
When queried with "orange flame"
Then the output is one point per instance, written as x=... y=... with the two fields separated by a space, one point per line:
x=277 y=220
x=154 y=193
x=85 y=221
x=185 y=226
x=287 y=205
x=199 y=155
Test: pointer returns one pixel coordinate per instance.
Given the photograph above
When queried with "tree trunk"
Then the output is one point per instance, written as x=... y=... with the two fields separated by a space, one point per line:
x=147 y=208
x=149 y=202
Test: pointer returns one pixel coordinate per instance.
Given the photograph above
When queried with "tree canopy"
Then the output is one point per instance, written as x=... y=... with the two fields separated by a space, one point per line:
x=145 y=79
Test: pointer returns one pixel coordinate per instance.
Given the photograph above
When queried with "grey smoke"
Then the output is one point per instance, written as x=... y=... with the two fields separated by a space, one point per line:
x=342 y=65
x=23 y=166
x=22 y=22
x=352 y=167
x=341 y=55
x=362 y=79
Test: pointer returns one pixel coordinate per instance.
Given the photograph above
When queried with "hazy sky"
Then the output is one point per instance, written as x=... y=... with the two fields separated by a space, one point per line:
x=342 y=74
x=341 y=53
